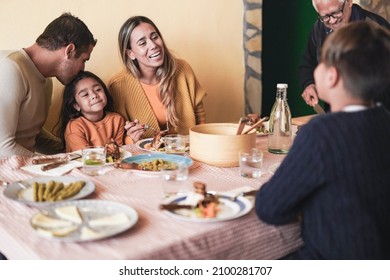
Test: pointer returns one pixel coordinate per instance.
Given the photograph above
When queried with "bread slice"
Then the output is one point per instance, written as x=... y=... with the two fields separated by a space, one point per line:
x=70 y=213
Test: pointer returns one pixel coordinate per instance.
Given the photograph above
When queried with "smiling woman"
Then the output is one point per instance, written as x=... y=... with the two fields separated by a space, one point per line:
x=156 y=88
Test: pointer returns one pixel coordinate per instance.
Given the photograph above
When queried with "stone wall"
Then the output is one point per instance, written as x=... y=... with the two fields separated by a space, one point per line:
x=252 y=54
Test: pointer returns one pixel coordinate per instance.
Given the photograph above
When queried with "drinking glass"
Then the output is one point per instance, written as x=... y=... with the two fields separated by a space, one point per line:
x=94 y=159
x=175 y=143
x=174 y=181
x=251 y=164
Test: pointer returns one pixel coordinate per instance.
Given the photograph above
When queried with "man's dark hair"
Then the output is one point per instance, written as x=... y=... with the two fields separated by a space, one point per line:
x=64 y=30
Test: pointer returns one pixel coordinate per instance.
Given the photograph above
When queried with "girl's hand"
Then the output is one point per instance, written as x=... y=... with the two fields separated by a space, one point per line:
x=135 y=130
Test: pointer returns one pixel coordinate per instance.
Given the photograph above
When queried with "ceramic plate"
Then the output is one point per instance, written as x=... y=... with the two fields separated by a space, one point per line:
x=142 y=144
x=228 y=209
x=177 y=159
x=23 y=192
x=99 y=219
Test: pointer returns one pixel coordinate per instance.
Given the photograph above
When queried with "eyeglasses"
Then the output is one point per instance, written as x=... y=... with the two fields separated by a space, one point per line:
x=336 y=15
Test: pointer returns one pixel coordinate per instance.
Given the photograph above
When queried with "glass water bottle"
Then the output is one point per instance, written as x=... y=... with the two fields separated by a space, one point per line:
x=280 y=128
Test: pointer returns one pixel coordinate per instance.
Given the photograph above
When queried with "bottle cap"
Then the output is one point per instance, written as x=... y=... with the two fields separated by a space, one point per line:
x=282 y=85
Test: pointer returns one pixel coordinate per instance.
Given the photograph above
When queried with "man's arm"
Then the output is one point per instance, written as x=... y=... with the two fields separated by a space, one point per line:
x=308 y=64
x=12 y=93
x=47 y=143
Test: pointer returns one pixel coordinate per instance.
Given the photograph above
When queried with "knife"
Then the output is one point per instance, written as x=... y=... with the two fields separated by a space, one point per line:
x=234 y=197
x=55 y=159
x=60 y=161
x=45 y=160
x=317 y=107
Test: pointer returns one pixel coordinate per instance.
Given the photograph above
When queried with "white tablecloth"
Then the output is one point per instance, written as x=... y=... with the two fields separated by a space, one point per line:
x=156 y=235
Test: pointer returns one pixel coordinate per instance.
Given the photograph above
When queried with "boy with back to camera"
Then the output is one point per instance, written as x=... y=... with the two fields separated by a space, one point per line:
x=335 y=179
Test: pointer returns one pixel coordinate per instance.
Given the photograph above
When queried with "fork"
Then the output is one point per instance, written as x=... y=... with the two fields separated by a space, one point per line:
x=162 y=132
x=149 y=127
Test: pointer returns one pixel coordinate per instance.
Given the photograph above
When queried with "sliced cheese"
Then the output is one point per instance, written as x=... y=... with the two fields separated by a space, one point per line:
x=44 y=221
x=70 y=213
x=87 y=233
x=112 y=220
x=59 y=232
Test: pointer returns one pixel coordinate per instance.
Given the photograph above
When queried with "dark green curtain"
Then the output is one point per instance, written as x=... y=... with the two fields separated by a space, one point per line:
x=286 y=26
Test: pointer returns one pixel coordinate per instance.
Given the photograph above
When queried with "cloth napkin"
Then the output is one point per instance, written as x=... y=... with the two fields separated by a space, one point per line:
x=237 y=191
x=58 y=171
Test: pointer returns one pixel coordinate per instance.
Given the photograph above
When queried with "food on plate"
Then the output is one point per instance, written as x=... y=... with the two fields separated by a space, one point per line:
x=254 y=118
x=208 y=206
x=149 y=146
x=57 y=232
x=87 y=233
x=157 y=165
x=47 y=222
x=112 y=220
x=200 y=202
x=113 y=153
x=262 y=130
x=157 y=141
x=63 y=221
x=70 y=213
x=55 y=191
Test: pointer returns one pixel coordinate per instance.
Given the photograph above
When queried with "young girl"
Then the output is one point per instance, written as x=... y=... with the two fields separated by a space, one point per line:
x=87 y=117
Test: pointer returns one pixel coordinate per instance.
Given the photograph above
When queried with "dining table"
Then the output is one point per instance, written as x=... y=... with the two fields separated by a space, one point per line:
x=155 y=235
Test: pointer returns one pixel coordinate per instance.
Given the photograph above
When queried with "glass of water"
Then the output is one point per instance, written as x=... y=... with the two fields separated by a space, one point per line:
x=175 y=144
x=174 y=181
x=251 y=164
x=94 y=159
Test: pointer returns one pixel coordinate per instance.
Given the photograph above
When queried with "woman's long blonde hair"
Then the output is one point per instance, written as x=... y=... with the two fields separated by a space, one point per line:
x=165 y=73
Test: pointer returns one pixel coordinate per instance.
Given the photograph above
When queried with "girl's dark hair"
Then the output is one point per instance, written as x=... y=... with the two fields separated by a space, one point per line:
x=68 y=111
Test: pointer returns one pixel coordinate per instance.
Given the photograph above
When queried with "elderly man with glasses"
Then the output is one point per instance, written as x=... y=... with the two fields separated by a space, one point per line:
x=332 y=14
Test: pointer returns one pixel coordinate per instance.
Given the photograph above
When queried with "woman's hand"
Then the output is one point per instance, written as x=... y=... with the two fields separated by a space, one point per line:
x=134 y=130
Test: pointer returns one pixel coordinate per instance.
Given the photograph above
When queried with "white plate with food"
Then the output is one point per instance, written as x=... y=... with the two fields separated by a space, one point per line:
x=146 y=145
x=151 y=164
x=43 y=191
x=227 y=209
x=83 y=220
x=109 y=160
